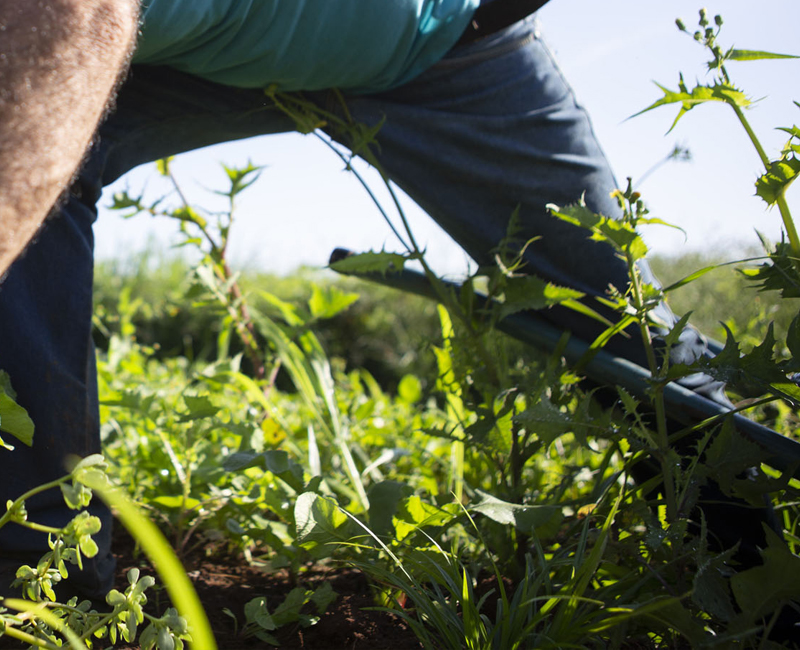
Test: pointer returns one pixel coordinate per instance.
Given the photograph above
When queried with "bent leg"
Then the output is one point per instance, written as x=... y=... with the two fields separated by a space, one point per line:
x=492 y=128
x=46 y=329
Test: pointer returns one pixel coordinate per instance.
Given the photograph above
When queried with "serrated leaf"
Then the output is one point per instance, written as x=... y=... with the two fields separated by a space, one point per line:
x=729 y=454
x=699 y=95
x=370 y=262
x=778 y=274
x=200 y=406
x=793 y=131
x=756 y=55
x=545 y=420
x=772 y=185
x=760 y=590
x=619 y=234
x=241 y=178
x=711 y=588
x=530 y=292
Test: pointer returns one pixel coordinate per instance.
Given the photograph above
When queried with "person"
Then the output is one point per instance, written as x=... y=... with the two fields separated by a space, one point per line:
x=477 y=121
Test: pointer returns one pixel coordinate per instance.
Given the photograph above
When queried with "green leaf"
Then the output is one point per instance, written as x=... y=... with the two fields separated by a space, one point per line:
x=414 y=513
x=793 y=131
x=275 y=461
x=524 y=518
x=327 y=302
x=778 y=274
x=287 y=310
x=188 y=214
x=756 y=55
x=756 y=367
x=545 y=420
x=177 y=502
x=319 y=522
x=699 y=95
x=409 y=390
x=13 y=418
x=773 y=184
x=124 y=201
x=711 y=588
x=530 y=292
x=760 y=590
x=200 y=406
x=384 y=500
x=323 y=596
x=619 y=234
x=241 y=178
x=730 y=454
x=163 y=165
x=255 y=611
x=370 y=262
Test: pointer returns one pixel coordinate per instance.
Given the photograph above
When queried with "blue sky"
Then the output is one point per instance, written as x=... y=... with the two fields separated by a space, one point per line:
x=305 y=205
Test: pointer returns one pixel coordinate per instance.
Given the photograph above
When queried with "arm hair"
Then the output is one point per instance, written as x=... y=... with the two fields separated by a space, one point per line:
x=60 y=61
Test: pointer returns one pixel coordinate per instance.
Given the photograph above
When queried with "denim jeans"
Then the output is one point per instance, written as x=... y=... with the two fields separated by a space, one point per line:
x=492 y=127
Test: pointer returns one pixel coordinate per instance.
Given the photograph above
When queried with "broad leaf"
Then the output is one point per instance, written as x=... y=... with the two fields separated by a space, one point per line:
x=524 y=518
x=319 y=522
x=13 y=418
x=384 y=499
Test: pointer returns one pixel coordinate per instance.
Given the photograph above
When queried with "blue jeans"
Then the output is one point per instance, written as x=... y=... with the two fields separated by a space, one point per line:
x=492 y=127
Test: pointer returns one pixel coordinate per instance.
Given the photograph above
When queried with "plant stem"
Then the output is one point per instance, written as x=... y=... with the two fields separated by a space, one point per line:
x=658 y=397
x=37 y=490
x=783 y=207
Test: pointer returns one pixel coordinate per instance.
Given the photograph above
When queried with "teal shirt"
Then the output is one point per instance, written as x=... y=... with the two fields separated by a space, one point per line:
x=354 y=45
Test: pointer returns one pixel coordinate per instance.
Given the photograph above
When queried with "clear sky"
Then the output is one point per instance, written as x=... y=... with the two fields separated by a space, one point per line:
x=305 y=205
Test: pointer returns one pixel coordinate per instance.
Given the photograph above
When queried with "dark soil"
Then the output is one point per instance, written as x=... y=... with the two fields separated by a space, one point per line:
x=226 y=581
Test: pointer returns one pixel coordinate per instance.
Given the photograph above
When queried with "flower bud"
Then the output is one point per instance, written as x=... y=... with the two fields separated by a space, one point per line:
x=718 y=20
x=680 y=24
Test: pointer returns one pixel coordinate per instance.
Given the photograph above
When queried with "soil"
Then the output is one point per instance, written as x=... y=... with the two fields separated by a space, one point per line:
x=226 y=581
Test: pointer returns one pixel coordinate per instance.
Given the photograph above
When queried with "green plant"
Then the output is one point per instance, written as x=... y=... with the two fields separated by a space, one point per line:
x=43 y=620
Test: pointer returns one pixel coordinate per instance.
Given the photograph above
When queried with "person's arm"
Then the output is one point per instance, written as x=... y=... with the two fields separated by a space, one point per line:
x=59 y=63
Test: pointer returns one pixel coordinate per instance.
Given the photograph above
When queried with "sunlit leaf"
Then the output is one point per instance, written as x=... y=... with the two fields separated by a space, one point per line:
x=772 y=185
x=13 y=418
x=756 y=55
x=326 y=302
x=699 y=95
